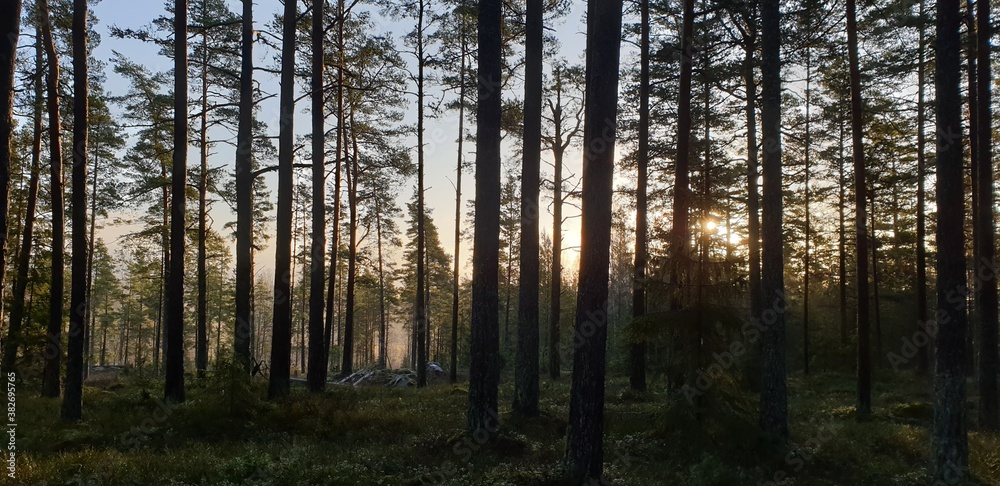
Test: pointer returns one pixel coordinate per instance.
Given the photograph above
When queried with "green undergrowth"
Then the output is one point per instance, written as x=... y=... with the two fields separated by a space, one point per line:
x=227 y=434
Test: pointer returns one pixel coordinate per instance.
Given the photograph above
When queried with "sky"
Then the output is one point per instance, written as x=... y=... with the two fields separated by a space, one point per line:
x=440 y=133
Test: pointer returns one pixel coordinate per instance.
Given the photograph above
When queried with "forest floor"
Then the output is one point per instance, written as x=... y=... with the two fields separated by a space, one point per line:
x=225 y=434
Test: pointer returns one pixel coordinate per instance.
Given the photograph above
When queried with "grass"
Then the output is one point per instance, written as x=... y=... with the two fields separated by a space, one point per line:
x=226 y=435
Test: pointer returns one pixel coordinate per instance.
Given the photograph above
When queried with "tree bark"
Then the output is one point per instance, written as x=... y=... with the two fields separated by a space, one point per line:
x=317 y=277
x=484 y=369
x=637 y=351
x=72 y=405
x=243 y=332
x=864 y=405
x=986 y=304
x=774 y=392
x=526 y=363
x=53 y=345
x=680 y=234
x=949 y=436
x=585 y=448
x=281 y=336
x=173 y=387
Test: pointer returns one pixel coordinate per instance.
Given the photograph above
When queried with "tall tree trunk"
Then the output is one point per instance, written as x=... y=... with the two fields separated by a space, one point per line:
x=973 y=99
x=751 y=41
x=864 y=405
x=281 y=336
x=420 y=302
x=555 y=294
x=923 y=353
x=173 y=387
x=352 y=256
x=11 y=27
x=704 y=239
x=875 y=280
x=427 y=305
x=773 y=392
x=806 y=262
x=949 y=436
x=526 y=363
x=637 y=351
x=453 y=371
x=753 y=196
x=72 y=405
x=17 y=312
x=91 y=317
x=335 y=238
x=201 y=331
x=585 y=448
x=986 y=303
x=161 y=305
x=317 y=366
x=842 y=229
x=679 y=235
x=484 y=369
x=53 y=345
x=383 y=340
x=243 y=333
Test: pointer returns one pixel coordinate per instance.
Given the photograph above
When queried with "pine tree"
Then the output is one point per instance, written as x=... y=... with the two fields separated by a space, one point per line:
x=864 y=406
x=585 y=448
x=72 y=406
x=174 y=333
x=281 y=337
x=949 y=434
x=484 y=370
x=53 y=345
x=774 y=392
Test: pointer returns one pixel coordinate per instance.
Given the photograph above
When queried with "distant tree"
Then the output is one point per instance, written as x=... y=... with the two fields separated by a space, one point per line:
x=563 y=124
x=923 y=354
x=484 y=370
x=20 y=287
x=104 y=145
x=281 y=337
x=72 y=406
x=457 y=23
x=147 y=165
x=949 y=434
x=585 y=447
x=105 y=298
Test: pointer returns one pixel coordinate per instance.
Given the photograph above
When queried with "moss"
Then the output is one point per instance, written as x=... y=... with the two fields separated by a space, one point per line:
x=226 y=434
